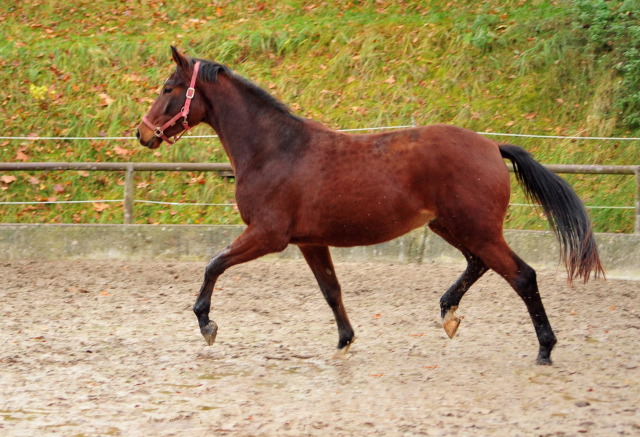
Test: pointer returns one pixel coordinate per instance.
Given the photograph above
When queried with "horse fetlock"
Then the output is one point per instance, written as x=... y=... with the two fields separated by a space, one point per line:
x=209 y=332
x=451 y=322
x=346 y=338
x=544 y=356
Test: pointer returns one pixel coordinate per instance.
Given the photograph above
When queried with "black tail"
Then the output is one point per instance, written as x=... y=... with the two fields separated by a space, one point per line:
x=564 y=209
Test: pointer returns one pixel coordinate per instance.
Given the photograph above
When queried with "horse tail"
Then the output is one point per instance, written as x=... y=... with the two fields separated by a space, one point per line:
x=564 y=209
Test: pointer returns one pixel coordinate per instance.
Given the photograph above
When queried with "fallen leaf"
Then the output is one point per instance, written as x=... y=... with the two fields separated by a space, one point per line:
x=8 y=179
x=33 y=180
x=391 y=80
x=104 y=293
x=52 y=199
x=122 y=151
x=351 y=79
x=560 y=100
x=58 y=188
x=431 y=367
x=21 y=156
x=219 y=11
x=83 y=173
x=143 y=184
x=132 y=77
x=106 y=100
x=511 y=123
x=99 y=206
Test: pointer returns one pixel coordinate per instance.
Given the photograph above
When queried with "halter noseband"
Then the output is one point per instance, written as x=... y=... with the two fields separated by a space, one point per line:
x=159 y=131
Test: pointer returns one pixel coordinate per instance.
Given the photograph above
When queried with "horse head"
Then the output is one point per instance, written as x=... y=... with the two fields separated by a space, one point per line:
x=179 y=107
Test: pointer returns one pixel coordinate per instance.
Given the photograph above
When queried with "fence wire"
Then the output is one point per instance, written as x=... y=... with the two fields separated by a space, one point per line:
x=504 y=134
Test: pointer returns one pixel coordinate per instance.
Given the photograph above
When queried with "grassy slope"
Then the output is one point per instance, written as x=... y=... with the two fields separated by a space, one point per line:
x=497 y=66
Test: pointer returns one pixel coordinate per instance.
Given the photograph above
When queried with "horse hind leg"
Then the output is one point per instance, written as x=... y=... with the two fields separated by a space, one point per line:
x=522 y=278
x=319 y=260
x=451 y=299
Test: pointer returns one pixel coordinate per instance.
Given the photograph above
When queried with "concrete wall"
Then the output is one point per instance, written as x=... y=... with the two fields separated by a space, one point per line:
x=620 y=253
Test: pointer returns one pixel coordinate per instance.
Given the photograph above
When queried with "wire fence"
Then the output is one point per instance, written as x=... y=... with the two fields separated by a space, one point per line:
x=130 y=168
x=503 y=134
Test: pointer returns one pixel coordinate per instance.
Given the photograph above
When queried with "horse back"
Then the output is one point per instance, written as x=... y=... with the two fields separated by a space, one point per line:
x=364 y=189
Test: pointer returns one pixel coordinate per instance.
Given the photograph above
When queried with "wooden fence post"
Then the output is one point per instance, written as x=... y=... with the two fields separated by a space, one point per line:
x=638 y=199
x=128 y=195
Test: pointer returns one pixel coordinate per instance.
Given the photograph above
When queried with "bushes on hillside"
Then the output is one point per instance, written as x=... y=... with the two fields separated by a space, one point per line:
x=612 y=29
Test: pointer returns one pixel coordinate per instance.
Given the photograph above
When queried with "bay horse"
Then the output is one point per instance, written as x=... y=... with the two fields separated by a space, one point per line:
x=300 y=182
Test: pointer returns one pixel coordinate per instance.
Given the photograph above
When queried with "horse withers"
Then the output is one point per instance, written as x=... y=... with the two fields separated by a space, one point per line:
x=299 y=182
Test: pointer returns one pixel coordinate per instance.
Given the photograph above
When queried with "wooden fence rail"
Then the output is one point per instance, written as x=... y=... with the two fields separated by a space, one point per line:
x=225 y=169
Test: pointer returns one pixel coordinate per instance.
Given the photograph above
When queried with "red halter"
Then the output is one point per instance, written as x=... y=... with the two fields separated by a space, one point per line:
x=191 y=91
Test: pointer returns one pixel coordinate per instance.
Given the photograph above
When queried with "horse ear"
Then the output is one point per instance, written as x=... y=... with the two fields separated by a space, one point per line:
x=181 y=61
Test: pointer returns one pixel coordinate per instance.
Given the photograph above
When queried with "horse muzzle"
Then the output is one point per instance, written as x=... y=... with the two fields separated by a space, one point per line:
x=152 y=143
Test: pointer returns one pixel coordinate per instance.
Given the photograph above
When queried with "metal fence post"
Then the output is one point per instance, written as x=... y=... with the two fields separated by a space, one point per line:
x=638 y=199
x=128 y=195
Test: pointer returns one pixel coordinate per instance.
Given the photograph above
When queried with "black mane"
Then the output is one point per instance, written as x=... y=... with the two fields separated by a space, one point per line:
x=209 y=72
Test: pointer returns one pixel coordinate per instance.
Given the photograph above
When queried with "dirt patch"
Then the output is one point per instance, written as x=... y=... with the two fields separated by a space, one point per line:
x=112 y=348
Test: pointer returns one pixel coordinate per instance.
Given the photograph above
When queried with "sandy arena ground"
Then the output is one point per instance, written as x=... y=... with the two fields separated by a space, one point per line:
x=93 y=348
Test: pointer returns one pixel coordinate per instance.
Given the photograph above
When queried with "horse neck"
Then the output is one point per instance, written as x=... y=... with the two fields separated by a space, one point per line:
x=251 y=130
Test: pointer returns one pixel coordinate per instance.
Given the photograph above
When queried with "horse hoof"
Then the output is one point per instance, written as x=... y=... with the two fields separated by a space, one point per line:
x=341 y=354
x=450 y=323
x=209 y=332
x=544 y=361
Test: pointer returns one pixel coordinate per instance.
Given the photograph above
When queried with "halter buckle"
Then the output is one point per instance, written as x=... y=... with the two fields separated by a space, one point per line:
x=158 y=132
x=190 y=93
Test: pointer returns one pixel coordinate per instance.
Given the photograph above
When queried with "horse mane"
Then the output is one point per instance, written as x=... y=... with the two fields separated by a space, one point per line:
x=209 y=72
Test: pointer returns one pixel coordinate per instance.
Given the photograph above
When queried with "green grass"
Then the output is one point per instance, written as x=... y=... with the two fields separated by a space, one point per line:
x=519 y=67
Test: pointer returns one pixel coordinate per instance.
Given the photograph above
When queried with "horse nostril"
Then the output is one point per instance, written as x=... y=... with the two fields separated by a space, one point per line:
x=138 y=133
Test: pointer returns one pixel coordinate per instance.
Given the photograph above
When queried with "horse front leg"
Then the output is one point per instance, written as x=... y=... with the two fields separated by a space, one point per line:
x=319 y=259
x=251 y=244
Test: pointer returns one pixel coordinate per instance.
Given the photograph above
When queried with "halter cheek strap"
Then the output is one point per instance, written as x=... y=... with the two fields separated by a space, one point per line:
x=159 y=130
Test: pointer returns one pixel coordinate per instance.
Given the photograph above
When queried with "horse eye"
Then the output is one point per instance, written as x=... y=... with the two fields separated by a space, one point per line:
x=168 y=90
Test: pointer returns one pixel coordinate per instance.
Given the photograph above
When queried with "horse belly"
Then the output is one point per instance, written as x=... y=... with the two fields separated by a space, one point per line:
x=360 y=228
